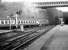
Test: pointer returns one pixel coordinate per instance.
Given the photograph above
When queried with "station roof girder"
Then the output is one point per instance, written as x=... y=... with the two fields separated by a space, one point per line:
x=51 y=4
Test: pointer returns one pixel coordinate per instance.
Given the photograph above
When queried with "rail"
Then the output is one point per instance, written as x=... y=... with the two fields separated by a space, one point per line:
x=16 y=43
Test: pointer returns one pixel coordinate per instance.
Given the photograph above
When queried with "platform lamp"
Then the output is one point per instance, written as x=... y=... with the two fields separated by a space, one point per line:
x=17 y=15
x=9 y=21
x=16 y=21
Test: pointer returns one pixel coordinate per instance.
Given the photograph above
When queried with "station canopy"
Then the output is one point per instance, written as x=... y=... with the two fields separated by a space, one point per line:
x=63 y=9
x=32 y=0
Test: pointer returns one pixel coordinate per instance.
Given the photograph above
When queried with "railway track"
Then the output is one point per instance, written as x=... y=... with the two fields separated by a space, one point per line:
x=5 y=39
x=12 y=35
x=16 y=43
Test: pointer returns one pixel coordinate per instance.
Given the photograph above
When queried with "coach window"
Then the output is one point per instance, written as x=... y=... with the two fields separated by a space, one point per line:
x=29 y=21
x=6 y=22
x=20 y=22
x=12 y=21
x=61 y=2
x=2 y=22
x=33 y=21
x=24 y=21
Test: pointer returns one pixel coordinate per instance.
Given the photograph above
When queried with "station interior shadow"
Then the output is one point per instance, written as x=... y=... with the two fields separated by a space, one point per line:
x=7 y=27
x=66 y=20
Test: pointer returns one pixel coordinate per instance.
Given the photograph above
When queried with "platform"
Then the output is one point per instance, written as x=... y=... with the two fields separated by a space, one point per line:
x=3 y=31
x=55 y=39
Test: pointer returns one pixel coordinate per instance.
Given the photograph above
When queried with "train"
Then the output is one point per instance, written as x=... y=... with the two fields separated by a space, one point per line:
x=7 y=22
x=30 y=18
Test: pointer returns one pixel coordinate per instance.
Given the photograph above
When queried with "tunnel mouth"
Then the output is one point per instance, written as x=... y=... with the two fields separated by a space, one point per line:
x=65 y=20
